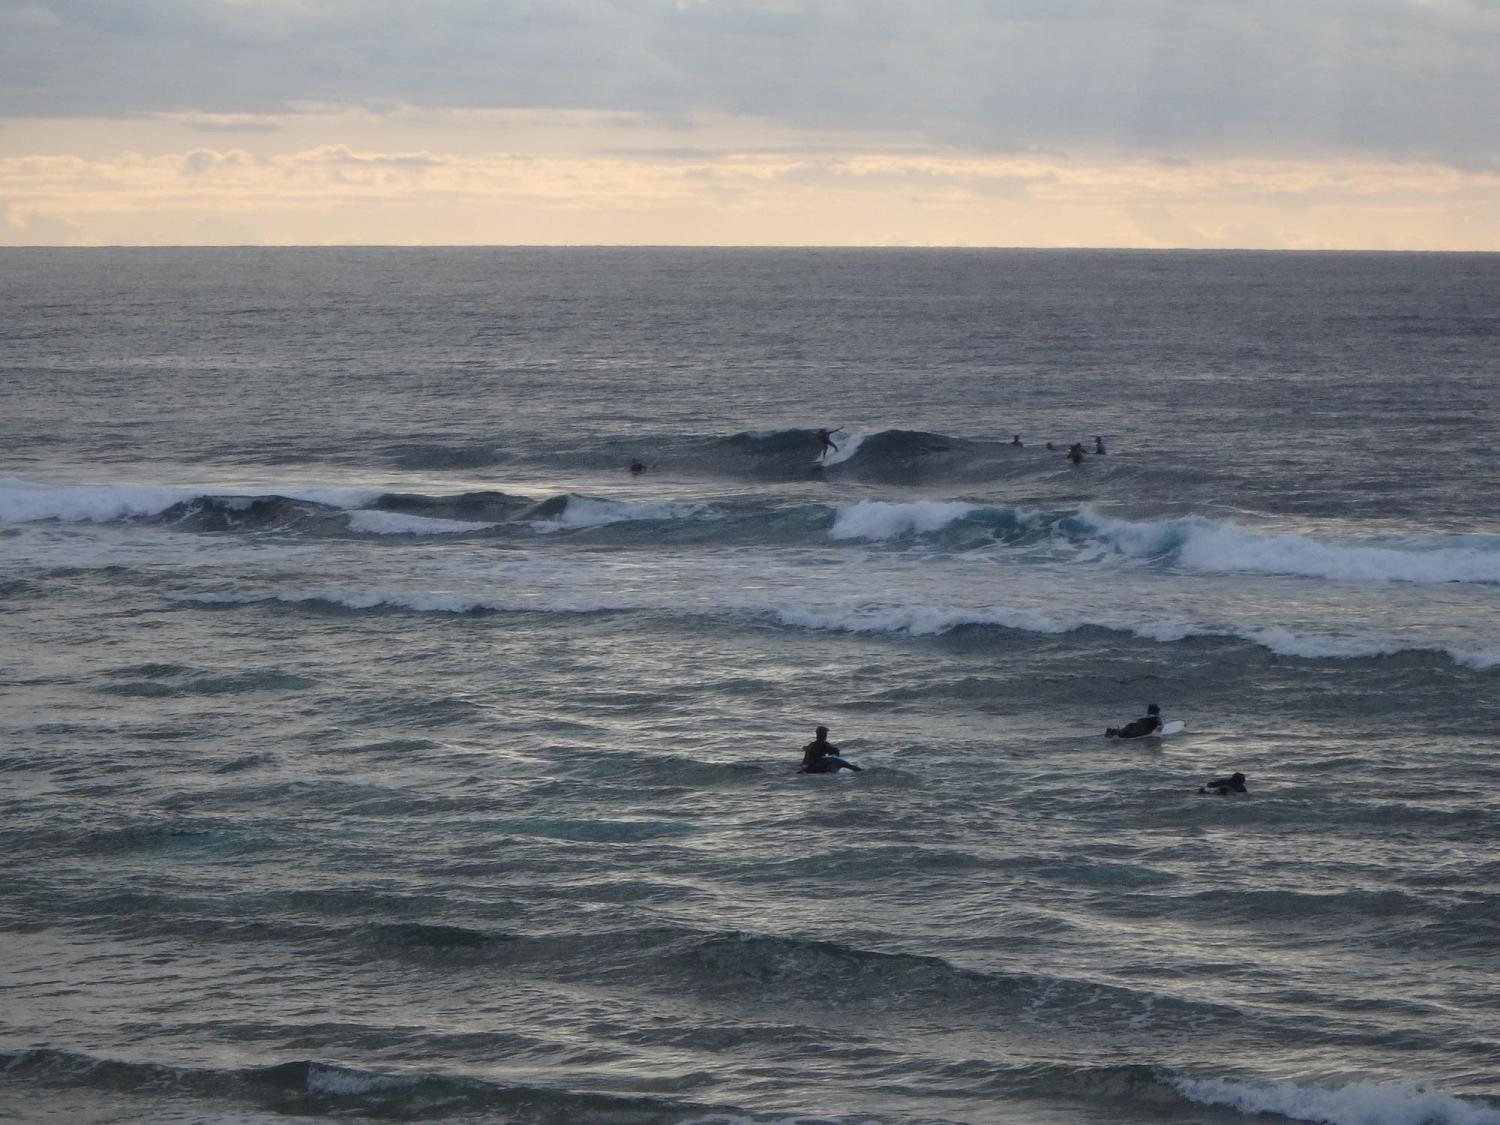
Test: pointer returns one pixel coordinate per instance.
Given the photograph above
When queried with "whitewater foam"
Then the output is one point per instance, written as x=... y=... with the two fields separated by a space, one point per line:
x=370 y=521
x=585 y=512
x=1355 y=1104
x=23 y=501
x=1221 y=547
x=879 y=519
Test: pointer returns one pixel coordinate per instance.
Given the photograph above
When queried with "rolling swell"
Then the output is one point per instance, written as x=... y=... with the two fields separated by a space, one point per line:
x=317 y=1087
x=1078 y=534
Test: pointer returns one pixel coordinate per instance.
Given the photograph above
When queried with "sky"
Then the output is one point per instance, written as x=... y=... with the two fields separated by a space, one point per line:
x=1276 y=124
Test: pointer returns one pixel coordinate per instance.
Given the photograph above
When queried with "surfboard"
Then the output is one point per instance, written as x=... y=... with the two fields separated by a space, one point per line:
x=1176 y=726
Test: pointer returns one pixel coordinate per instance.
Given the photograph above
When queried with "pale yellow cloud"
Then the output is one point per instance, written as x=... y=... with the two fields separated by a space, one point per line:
x=565 y=178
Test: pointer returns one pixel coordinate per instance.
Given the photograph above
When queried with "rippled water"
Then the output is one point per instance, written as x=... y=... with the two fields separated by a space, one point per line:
x=376 y=747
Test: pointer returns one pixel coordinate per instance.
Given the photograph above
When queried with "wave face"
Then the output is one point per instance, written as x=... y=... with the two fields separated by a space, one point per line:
x=376 y=745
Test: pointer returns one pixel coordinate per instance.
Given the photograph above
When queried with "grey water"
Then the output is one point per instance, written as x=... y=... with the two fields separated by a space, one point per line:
x=375 y=746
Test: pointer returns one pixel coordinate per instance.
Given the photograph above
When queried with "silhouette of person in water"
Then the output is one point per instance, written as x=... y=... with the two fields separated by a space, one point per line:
x=1099 y=445
x=822 y=756
x=825 y=442
x=1149 y=723
x=1223 y=786
x=1016 y=440
x=636 y=467
x=1052 y=447
x=1075 y=453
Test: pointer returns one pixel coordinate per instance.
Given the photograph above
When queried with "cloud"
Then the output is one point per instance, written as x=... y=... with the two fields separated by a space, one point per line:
x=1398 y=78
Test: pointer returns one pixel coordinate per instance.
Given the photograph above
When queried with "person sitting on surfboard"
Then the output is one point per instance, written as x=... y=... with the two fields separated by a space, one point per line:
x=1223 y=786
x=1149 y=723
x=822 y=756
x=825 y=442
x=1075 y=453
x=1098 y=445
x=1016 y=440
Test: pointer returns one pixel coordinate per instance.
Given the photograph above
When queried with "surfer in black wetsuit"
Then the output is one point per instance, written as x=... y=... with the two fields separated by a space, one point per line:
x=1149 y=723
x=636 y=467
x=825 y=442
x=1223 y=786
x=1075 y=453
x=1098 y=445
x=1016 y=440
x=822 y=756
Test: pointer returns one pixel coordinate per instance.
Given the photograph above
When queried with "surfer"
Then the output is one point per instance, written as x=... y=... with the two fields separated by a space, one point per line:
x=825 y=442
x=1098 y=445
x=636 y=467
x=1016 y=440
x=1051 y=447
x=1223 y=786
x=822 y=756
x=1075 y=453
x=1149 y=723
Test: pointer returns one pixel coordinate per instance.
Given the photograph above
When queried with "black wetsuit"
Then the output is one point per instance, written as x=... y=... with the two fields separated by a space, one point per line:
x=1075 y=454
x=1137 y=728
x=1223 y=786
x=822 y=756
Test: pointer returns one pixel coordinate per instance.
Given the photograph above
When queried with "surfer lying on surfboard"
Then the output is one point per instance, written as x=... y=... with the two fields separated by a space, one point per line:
x=822 y=756
x=1149 y=723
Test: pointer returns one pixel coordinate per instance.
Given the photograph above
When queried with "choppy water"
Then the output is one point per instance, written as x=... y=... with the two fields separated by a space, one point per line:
x=375 y=747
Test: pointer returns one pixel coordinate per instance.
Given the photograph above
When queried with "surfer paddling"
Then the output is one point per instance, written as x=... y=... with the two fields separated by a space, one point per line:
x=1149 y=723
x=1223 y=786
x=822 y=756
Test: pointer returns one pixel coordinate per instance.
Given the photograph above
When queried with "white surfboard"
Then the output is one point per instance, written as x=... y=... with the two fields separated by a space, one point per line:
x=1176 y=726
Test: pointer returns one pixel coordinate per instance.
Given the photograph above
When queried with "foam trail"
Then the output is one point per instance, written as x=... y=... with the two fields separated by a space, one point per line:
x=878 y=519
x=1356 y=1104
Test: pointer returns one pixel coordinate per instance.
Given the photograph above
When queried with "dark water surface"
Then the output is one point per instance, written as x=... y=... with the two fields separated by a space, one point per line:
x=375 y=747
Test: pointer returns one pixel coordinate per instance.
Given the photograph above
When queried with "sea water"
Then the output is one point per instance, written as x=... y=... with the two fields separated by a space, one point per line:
x=375 y=746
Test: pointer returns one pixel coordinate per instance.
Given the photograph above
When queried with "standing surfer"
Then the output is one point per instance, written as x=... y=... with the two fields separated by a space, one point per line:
x=825 y=442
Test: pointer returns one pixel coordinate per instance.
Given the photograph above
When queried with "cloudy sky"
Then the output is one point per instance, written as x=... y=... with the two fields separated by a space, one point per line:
x=1195 y=123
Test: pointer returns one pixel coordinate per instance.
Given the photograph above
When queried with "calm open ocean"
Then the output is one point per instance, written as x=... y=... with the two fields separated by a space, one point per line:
x=374 y=746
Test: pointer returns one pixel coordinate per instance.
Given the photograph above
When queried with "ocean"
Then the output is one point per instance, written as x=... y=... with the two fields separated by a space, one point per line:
x=376 y=747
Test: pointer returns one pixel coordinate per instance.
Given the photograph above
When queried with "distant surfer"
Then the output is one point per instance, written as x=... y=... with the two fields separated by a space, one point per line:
x=1016 y=441
x=822 y=756
x=1052 y=447
x=637 y=467
x=1098 y=445
x=1149 y=723
x=825 y=442
x=1075 y=453
x=1223 y=786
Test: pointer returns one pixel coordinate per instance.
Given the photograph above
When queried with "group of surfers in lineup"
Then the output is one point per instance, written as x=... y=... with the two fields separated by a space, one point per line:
x=1075 y=451
x=822 y=756
x=827 y=445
